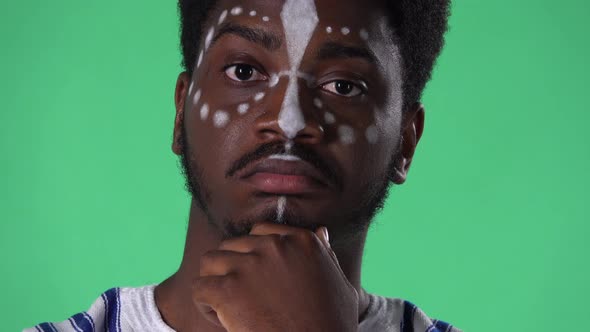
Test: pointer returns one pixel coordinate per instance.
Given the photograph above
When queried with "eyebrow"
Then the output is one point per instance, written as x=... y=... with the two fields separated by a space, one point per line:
x=332 y=50
x=268 y=40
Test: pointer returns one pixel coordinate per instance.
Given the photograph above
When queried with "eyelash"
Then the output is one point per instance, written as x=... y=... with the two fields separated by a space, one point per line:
x=255 y=73
x=359 y=88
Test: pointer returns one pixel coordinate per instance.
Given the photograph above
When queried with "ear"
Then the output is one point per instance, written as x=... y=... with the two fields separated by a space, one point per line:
x=182 y=88
x=412 y=128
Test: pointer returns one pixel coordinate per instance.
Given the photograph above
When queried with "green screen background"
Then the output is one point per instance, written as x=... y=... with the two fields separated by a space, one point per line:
x=494 y=215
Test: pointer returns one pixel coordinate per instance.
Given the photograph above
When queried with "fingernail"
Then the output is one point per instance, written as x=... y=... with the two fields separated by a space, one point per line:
x=326 y=235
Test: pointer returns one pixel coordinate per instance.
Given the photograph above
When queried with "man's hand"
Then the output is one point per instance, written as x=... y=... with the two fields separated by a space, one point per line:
x=277 y=278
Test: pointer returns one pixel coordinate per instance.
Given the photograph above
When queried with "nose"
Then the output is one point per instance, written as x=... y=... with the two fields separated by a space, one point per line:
x=289 y=117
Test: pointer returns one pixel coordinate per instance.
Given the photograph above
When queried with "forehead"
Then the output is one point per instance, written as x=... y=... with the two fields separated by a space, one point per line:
x=353 y=22
x=338 y=13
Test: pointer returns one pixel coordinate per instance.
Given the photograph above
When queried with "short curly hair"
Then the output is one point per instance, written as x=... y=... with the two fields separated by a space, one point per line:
x=419 y=26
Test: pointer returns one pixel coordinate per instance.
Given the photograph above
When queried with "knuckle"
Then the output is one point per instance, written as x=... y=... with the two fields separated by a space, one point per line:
x=208 y=257
x=227 y=244
x=206 y=288
x=274 y=242
x=308 y=240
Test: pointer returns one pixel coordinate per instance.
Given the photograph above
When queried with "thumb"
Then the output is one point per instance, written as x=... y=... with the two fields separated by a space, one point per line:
x=322 y=233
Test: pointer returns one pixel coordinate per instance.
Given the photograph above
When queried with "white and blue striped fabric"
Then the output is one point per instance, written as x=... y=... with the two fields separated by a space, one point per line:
x=134 y=309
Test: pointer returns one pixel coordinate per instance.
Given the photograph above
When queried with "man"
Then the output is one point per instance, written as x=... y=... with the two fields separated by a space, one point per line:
x=293 y=118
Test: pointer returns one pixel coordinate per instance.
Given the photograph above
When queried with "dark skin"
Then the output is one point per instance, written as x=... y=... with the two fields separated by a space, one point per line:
x=281 y=277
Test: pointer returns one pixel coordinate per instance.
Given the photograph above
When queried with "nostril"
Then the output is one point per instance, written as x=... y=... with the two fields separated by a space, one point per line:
x=268 y=134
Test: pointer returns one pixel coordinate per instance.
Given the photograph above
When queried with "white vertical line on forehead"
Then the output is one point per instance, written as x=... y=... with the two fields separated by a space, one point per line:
x=300 y=19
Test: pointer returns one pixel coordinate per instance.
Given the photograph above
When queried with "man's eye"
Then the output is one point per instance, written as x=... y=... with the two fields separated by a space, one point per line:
x=243 y=73
x=343 y=88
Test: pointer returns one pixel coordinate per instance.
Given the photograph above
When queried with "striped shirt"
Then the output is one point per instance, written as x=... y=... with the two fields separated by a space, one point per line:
x=134 y=309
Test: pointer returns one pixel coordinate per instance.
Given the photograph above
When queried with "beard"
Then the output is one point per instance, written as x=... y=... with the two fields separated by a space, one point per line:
x=354 y=221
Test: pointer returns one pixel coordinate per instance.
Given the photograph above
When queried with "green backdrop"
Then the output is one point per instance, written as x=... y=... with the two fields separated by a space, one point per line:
x=495 y=208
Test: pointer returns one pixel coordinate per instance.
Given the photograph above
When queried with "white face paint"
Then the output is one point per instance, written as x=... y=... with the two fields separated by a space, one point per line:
x=204 y=111
x=329 y=118
x=300 y=19
x=220 y=119
x=287 y=157
x=274 y=80
x=318 y=102
x=190 y=88
x=243 y=108
x=222 y=17
x=197 y=97
x=298 y=33
x=209 y=38
x=258 y=97
x=282 y=203
x=346 y=134
x=200 y=59
x=236 y=11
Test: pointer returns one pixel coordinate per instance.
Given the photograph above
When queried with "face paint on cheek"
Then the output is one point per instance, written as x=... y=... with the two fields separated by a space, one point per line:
x=243 y=108
x=329 y=118
x=258 y=97
x=318 y=103
x=220 y=119
x=346 y=134
x=204 y=111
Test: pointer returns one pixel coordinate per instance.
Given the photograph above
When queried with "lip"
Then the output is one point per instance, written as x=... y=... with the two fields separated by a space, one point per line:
x=284 y=177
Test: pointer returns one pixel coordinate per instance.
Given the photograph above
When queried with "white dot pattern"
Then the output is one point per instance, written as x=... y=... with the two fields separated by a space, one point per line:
x=221 y=118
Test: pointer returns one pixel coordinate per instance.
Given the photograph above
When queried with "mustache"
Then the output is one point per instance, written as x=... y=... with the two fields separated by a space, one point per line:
x=328 y=169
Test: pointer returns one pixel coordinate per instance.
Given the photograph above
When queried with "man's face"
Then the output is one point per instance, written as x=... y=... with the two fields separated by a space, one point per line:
x=293 y=114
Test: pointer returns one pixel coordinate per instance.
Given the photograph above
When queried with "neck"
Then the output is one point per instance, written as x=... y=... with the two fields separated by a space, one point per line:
x=173 y=296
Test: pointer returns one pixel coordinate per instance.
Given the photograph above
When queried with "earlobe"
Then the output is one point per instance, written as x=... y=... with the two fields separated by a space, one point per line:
x=180 y=96
x=411 y=132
